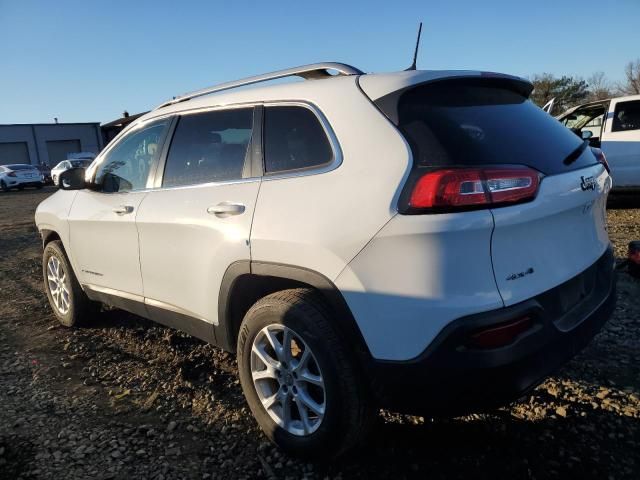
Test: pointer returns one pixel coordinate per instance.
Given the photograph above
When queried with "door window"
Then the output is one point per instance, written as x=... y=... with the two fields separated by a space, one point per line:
x=209 y=147
x=127 y=165
x=294 y=139
x=626 y=116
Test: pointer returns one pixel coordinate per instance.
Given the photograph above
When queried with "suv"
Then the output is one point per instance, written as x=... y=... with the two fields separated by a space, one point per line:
x=400 y=240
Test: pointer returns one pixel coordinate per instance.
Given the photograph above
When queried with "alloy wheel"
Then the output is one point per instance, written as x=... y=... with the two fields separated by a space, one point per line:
x=58 y=285
x=288 y=380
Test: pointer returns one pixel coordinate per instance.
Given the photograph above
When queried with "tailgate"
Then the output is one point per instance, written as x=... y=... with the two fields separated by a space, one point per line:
x=539 y=245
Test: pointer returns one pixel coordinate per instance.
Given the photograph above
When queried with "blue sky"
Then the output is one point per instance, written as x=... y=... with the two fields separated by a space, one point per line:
x=85 y=61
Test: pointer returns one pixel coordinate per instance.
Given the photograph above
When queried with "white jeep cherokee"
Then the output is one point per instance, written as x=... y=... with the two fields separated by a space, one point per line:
x=424 y=241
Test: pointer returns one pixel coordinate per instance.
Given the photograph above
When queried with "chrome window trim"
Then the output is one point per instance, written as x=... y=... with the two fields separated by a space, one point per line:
x=334 y=163
x=326 y=126
x=324 y=168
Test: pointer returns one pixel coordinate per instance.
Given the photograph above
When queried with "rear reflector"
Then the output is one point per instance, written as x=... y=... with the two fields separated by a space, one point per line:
x=500 y=336
x=472 y=187
x=634 y=258
x=634 y=252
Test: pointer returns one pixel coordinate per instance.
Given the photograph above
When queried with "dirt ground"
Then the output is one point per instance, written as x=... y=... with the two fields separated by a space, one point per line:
x=127 y=399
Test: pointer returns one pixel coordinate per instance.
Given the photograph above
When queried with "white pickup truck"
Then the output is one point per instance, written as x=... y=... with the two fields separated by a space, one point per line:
x=615 y=128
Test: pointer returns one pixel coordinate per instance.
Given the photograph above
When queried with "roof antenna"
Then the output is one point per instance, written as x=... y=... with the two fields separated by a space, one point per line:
x=415 y=54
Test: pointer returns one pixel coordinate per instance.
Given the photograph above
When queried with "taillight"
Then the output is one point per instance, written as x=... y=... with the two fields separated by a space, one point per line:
x=601 y=158
x=466 y=188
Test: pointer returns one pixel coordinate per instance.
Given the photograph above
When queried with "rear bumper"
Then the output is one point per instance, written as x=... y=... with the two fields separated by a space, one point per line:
x=24 y=182
x=451 y=378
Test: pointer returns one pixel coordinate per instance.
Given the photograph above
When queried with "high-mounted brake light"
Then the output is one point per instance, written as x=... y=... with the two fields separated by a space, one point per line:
x=601 y=158
x=474 y=187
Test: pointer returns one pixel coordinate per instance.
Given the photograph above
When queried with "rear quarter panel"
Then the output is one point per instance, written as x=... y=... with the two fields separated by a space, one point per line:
x=321 y=221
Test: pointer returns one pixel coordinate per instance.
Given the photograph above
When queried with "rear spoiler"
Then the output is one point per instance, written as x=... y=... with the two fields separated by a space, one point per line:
x=388 y=103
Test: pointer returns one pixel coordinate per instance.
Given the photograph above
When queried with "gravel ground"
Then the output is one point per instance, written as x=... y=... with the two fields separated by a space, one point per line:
x=125 y=398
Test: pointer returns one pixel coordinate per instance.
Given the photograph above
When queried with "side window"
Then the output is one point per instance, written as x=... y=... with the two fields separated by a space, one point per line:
x=626 y=116
x=126 y=166
x=209 y=147
x=293 y=139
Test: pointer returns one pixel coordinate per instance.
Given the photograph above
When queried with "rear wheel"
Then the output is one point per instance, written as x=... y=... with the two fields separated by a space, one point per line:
x=298 y=378
x=69 y=303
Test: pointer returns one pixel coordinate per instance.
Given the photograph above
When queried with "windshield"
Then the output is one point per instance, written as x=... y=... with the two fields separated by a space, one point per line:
x=80 y=163
x=473 y=122
x=584 y=117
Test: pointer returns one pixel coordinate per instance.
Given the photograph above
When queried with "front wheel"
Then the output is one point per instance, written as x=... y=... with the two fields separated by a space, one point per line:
x=4 y=186
x=69 y=303
x=299 y=379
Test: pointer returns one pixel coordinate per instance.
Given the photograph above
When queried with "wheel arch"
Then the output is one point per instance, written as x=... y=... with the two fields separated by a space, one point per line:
x=49 y=236
x=245 y=282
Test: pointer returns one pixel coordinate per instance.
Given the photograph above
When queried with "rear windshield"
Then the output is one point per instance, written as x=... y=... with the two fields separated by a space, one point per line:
x=472 y=122
x=20 y=167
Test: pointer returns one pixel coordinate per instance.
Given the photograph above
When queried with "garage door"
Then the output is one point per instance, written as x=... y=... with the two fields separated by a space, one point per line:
x=58 y=150
x=14 y=152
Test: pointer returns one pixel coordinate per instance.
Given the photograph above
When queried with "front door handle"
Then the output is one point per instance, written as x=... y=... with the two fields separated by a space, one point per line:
x=226 y=209
x=123 y=209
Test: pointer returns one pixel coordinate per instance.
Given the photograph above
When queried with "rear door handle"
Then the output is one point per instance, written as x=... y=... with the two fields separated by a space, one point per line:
x=226 y=209
x=123 y=209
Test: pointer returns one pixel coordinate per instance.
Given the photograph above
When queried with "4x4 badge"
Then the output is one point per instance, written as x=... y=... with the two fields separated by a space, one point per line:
x=587 y=183
x=515 y=276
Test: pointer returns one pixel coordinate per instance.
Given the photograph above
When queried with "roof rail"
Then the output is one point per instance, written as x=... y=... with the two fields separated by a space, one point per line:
x=308 y=72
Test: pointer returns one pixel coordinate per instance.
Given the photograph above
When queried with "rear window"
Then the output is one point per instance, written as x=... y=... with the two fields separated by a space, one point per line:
x=294 y=140
x=472 y=122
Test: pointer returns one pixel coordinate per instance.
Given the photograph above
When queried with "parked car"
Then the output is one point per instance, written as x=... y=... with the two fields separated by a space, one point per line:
x=20 y=175
x=66 y=165
x=400 y=240
x=614 y=127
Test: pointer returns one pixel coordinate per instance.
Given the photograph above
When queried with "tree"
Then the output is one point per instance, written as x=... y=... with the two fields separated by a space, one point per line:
x=599 y=87
x=567 y=91
x=631 y=85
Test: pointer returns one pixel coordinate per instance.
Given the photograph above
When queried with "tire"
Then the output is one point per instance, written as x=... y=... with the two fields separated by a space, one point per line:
x=78 y=306
x=39 y=186
x=4 y=186
x=347 y=414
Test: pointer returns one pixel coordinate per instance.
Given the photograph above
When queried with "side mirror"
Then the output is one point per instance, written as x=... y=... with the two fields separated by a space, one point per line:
x=72 y=179
x=586 y=134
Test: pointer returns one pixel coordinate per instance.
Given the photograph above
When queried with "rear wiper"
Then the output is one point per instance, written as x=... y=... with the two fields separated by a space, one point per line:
x=573 y=156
